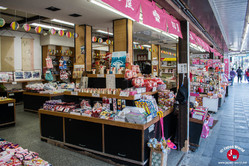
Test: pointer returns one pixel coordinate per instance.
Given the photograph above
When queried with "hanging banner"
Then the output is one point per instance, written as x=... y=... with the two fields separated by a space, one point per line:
x=128 y=7
x=153 y=15
x=173 y=25
x=192 y=38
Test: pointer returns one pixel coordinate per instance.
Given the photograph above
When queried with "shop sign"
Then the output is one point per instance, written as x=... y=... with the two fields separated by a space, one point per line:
x=169 y=59
x=192 y=37
x=173 y=25
x=128 y=7
x=182 y=68
x=153 y=15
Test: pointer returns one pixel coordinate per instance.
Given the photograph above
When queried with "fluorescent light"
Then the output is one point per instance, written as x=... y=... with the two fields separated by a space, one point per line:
x=3 y=8
x=135 y=43
x=104 y=32
x=110 y=9
x=63 y=22
x=155 y=29
x=147 y=46
x=244 y=38
x=46 y=26
x=170 y=35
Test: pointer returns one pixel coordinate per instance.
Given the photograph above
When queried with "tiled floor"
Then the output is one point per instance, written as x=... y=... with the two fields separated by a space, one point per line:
x=231 y=129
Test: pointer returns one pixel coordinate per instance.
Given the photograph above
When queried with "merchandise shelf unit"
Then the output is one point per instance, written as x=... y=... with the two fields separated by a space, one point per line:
x=7 y=112
x=122 y=142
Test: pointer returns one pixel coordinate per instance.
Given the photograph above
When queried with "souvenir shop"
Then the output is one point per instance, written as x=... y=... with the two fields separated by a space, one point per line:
x=108 y=89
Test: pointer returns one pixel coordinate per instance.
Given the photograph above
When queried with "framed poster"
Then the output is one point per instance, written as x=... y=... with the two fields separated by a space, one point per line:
x=27 y=75
x=118 y=59
x=36 y=75
x=19 y=75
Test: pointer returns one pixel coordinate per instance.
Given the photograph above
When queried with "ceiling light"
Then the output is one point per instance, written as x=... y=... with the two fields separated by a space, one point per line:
x=47 y=26
x=3 y=8
x=147 y=46
x=152 y=28
x=170 y=35
x=63 y=22
x=104 y=32
x=110 y=9
x=135 y=43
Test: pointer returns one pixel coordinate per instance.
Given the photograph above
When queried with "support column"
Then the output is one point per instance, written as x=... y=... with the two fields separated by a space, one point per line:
x=155 y=59
x=211 y=54
x=83 y=46
x=123 y=36
x=183 y=118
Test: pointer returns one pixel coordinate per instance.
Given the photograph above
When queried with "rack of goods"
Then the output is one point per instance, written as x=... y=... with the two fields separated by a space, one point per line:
x=62 y=61
x=168 y=71
x=7 y=111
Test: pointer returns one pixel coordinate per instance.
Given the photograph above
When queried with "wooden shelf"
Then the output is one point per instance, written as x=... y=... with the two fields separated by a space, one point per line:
x=69 y=93
x=104 y=121
x=196 y=120
x=168 y=66
x=9 y=100
x=23 y=81
x=42 y=94
x=96 y=75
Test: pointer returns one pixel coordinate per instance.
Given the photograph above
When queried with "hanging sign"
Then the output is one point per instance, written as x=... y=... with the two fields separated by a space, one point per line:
x=174 y=25
x=153 y=15
x=128 y=7
x=192 y=38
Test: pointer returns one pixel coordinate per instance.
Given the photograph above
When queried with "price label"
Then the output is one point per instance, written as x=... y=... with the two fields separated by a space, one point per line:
x=13 y=83
x=149 y=118
x=151 y=128
x=100 y=75
x=124 y=94
x=95 y=95
x=10 y=104
x=137 y=96
x=11 y=94
x=74 y=93
x=154 y=89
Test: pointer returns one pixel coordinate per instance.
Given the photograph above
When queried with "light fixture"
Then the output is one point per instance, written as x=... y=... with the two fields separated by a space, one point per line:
x=147 y=46
x=62 y=22
x=47 y=26
x=135 y=43
x=244 y=38
x=104 y=32
x=170 y=35
x=3 y=8
x=110 y=9
x=152 y=28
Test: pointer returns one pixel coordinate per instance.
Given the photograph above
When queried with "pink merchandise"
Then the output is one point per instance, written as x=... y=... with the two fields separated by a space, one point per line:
x=205 y=130
x=49 y=63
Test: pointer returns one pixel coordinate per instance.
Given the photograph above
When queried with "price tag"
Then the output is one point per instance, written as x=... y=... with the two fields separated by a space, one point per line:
x=137 y=96
x=13 y=83
x=154 y=89
x=95 y=95
x=124 y=94
x=11 y=94
x=74 y=93
x=10 y=104
x=100 y=75
x=149 y=118
x=151 y=128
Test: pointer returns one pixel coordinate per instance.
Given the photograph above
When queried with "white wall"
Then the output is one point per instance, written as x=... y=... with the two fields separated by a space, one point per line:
x=57 y=40
x=18 y=48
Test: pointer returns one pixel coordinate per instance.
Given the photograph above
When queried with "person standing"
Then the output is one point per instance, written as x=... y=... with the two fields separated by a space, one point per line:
x=232 y=75
x=247 y=75
x=239 y=74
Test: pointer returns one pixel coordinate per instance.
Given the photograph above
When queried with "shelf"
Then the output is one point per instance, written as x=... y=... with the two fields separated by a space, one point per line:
x=42 y=94
x=22 y=81
x=167 y=73
x=8 y=100
x=104 y=75
x=168 y=66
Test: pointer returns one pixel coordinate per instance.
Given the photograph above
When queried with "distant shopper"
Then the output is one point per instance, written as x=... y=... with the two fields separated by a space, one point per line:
x=232 y=75
x=247 y=75
x=239 y=74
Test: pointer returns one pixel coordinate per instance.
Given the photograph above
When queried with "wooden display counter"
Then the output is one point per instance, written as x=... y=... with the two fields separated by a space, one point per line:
x=34 y=101
x=7 y=112
x=14 y=94
x=122 y=142
x=195 y=129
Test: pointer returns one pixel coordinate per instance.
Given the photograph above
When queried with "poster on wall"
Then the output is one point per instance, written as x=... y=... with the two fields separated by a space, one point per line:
x=6 y=76
x=118 y=59
x=28 y=75
x=18 y=76
x=36 y=75
x=7 y=53
x=27 y=54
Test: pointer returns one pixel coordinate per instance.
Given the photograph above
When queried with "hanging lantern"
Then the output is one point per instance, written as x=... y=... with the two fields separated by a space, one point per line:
x=61 y=33
x=76 y=35
x=69 y=34
x=100 y=40
x=26 y=27
x=14 y=25
x=108 y=41
x=94 y=39
x=38 y=29
x=2 y=22
x=52 y=31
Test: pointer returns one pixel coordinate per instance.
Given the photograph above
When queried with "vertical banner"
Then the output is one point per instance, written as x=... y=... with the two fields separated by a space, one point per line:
x=226 y=61
x=153 y=15
x=27 y=54
x=173 y=25
x=129 y=7
x=7 y=54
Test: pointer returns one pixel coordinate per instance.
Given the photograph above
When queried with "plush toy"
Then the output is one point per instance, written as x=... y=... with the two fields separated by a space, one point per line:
x=136 y=82
x=128 y=74
x=134 y=74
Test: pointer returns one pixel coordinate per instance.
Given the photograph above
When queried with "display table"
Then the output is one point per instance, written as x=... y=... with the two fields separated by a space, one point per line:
x=34 y=101
x=122 y=142
x=195 y=129
x=14 y=94
x=7 y=112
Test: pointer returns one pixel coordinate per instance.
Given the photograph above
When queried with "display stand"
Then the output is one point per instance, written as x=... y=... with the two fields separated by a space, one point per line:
x=14 y=94
x=7 y=112
x=195 y=129
x=122 y=142
x=34 y=101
